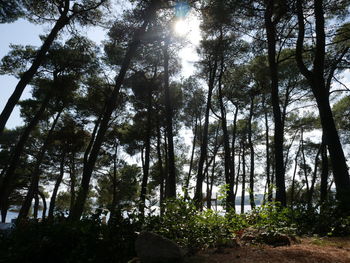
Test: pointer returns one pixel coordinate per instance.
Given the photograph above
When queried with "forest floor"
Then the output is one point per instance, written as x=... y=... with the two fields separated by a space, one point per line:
x=308 y=250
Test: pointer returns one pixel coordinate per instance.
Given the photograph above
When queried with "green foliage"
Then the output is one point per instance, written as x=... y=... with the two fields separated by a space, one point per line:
x=62 y=241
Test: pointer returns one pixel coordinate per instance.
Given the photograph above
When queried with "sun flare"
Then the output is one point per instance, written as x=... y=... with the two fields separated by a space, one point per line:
x=181 y=27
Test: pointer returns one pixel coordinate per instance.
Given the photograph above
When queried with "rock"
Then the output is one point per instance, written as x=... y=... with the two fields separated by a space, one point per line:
x=275 y=239
x=153 y=248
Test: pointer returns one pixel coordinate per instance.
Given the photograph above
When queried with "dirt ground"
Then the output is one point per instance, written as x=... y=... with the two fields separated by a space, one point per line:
x=309 y=250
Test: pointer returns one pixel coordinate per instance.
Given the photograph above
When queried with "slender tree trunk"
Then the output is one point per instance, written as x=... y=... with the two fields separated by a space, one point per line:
x=251 y=148
x=294 y=174
x=42 y=196
x=233 y=162
x=324 y=174
x=267 y=153
x=187 y=183
x=29 y=74
x=304 y=161
x=147 y=155
x=198 y=196
x=34 y=183
x=72 y=175
x=243 y=178
x=36 y=206
x=161 y=170
x=56 y=187
x=227 y=150
x=171 y=184
x=270 y=25
x=313 y=181
x=110 y=107
x=10 y=175
x=113 y=208
x=316 y=79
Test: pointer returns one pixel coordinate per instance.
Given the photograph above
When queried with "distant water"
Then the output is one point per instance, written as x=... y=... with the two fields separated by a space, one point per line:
x=13 y=215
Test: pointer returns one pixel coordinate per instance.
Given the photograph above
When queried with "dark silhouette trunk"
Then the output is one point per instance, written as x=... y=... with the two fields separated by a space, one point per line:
x=270 y=25
x=198 y=196
x=187 y=183
x=243 y=178
x=251 y=148
x=147 y=154
x=171 y=183
x=294 y=174
x=317 y=82
x=227 y=150
x=109 y=108
x=313 y=181
x=10 y=175
x=34 y=183
x=324 y=174
x=29 y=74
x=304 y=160
x=72 y=175
x=36 y=206
x=43 y=199
x=233 y=162
x=267 y=153
x=161 y=169
x=56 y=187
x=114 y=178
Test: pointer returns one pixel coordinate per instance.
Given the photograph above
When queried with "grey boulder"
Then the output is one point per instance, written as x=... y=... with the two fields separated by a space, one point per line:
x=153 y=248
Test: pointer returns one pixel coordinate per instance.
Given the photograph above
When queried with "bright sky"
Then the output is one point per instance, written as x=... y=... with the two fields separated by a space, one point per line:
x=24 y=33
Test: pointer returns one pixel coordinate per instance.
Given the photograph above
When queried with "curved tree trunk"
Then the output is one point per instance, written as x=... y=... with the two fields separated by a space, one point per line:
x=270 y=25
x=10 y=176
x=34 y=183
x=29 y=74
x=110 y=107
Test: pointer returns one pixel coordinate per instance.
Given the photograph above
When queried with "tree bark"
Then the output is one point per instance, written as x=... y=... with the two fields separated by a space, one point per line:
x=34 y=183
x=29 y=74
x=147 y=154
x=198 y=196
x=317 y=82
x=171 y=183
x=278 y=136
x=56 y=187
x=251 y=148
x=110 y=107
x=10 y=176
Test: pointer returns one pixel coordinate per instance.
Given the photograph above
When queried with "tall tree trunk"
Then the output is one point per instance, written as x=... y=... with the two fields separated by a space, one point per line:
x=34 y=183
x=233 y=161
x=324 y=174
x=110 y=107
x=313 y=181
x=171 y=183
x=270 y=25
x=43 y=199
x=227 y=150
x=243 y=177
x=251 y=148
x=72 y=175
x=161 y=169
x=267 y=153
x=147 y=154
x=38 y=60
x=56 y=187
x=317 y=82
x=294 y=174
x=304 y=160
x=187 y=183
x=10 y=175
x=36 y=206
x=198 y=196
x=114 y=203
